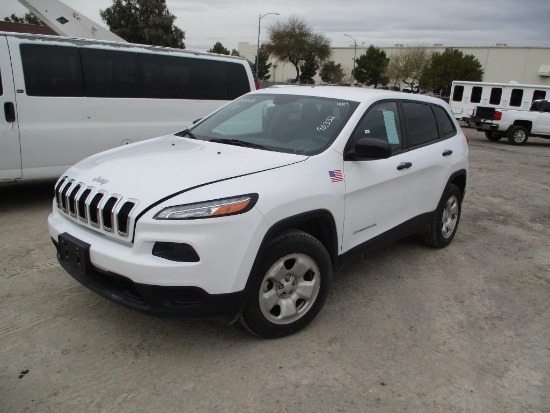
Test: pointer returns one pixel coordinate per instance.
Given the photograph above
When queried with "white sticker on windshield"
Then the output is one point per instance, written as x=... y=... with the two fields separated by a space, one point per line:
x=391 y=128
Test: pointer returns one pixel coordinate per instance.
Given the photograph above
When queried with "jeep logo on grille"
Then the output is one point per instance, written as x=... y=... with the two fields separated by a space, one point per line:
x=100 y=180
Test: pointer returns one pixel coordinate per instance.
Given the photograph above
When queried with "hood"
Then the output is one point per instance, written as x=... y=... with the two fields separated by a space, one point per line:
x=156 y=168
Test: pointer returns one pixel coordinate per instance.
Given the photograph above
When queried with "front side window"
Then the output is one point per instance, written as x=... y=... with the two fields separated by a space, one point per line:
x=380 y=122
x=420 y=123
x=285 y=123
x=52 y=70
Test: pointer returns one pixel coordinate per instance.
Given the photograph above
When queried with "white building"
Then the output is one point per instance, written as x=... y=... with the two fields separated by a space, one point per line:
x=501 y=63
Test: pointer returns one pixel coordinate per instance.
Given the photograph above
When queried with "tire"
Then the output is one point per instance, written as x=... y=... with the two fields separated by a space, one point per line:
x=518 y=135
x=289 y=286
x=493 y=136
x=443 y=227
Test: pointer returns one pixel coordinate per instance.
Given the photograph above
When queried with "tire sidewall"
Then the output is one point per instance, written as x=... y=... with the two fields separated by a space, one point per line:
x=513 y=132
x=288 y=243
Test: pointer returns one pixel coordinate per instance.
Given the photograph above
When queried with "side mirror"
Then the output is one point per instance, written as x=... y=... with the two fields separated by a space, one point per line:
x=369 y=149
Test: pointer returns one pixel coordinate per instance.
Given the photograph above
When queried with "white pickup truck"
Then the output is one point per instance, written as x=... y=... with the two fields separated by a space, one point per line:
x=516 y=125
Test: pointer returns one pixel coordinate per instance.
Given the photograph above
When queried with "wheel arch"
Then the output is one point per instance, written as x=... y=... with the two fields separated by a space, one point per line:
x=459 y=179
x=527 y=124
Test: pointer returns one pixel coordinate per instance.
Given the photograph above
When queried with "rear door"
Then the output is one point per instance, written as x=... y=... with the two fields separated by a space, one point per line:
x=10 y=150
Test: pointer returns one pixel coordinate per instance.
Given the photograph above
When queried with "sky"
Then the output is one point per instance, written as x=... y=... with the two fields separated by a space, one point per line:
x=379 y=22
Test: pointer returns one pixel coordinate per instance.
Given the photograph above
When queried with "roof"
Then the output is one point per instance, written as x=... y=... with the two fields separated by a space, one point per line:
x=25 y=28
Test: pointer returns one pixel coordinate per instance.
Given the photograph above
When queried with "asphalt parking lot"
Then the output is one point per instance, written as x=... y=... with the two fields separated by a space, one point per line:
x=409 y=328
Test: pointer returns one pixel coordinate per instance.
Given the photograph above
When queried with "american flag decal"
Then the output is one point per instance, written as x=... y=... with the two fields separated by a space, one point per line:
x=336 y=175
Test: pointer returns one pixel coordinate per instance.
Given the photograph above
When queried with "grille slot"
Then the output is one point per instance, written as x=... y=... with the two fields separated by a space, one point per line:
x=72 y=199
x=94 y=209
x=106 y=212
x=123 y=216
x=82 y=214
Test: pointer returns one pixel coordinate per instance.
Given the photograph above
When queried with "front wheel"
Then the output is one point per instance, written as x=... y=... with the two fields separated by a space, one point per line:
x=443 y=227
x=518 y=135
x=289 y=286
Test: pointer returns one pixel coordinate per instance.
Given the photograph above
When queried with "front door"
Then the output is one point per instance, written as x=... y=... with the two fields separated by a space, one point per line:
x=10 y=149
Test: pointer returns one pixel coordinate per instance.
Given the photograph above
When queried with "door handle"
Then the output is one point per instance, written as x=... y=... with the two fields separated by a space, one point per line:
x=404 y=165
x=9 y=112
x=447 y=152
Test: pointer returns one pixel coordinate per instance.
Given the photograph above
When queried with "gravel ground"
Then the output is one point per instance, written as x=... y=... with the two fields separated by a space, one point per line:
x=409 y=328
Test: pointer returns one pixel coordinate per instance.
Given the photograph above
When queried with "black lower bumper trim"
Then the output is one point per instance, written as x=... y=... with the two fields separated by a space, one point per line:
x=186 y=302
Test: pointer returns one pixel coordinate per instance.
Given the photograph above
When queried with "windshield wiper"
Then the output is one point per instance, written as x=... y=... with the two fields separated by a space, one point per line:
x=238 y=142
x=186 y=132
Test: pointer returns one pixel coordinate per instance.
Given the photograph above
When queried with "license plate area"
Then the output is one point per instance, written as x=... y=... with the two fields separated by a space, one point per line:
x=74 y=252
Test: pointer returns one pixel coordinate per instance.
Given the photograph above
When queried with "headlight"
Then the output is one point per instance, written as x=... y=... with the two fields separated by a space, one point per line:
x=209 y=209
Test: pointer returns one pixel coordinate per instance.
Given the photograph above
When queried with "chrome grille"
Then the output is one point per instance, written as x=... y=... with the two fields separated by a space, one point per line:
x=110 y=213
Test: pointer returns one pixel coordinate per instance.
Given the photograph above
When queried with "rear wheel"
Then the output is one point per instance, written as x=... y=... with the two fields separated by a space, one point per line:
x=289 y=286
x=493 y=136
x=518 y=135
x=443 y=227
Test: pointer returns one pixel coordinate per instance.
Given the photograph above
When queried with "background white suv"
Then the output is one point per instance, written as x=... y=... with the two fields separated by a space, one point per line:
x=246 y=215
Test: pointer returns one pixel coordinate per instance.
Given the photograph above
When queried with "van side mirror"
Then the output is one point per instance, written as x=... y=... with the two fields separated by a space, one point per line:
x=369 y=149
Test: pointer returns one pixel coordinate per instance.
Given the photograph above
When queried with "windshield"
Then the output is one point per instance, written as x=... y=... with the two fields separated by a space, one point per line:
x=284 y=123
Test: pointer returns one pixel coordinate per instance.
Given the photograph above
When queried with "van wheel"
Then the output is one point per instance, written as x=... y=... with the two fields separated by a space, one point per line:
x=518 y=135
x=443 y=227
x=493 y=136
x=289 y=286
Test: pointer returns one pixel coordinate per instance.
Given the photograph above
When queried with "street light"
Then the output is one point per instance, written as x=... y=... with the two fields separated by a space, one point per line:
x=354 y=53
x=258 y=47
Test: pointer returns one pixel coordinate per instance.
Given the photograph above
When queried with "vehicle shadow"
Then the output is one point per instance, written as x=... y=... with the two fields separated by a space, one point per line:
x=19 y=194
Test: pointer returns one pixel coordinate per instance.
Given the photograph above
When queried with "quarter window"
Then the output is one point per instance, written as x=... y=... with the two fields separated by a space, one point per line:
x=52 y=70
x=496 y=94
x=420 y=123
x=444 y=123
x=381 y=122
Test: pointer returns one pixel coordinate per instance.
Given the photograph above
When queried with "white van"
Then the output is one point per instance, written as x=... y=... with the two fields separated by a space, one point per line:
x=465 y=96
x=65 y=99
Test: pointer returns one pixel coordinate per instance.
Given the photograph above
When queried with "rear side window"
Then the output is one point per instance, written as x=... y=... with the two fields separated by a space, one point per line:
x=444 y=123
x=168 y=77
x=110 y=73
x=496 y=94
x=52 y=70
x=420 y=123
x=515 y=97
x=476 y=94
x=539 y=94
x=457 y=94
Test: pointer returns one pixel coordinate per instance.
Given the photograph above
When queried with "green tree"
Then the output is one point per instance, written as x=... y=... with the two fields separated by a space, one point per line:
x=28 y=18
x=308 y=70
x=450 y=65
x=331 y=72
x=144 y=22
x=294 y=41
x=263 y=66
x=235 y=52
x=371 y=67
x=219 y=48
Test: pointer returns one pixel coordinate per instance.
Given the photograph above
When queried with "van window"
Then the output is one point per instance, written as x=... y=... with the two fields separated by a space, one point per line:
x=1 y=88
x=420 y=123
x=170 y=77
x=515 y=97
x=457 y=94
x=496 y=94
x=109 y=73
x=476 y=94
x=445 y=125
x=52 y=70
x=539 y=94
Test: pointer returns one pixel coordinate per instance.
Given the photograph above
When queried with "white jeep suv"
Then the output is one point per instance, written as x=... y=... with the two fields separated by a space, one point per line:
x=246 y=214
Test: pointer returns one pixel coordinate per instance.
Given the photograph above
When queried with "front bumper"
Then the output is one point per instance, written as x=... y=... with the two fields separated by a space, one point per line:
x=188 y=302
